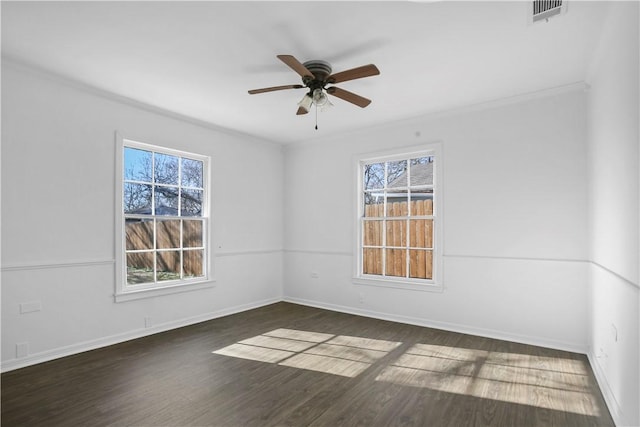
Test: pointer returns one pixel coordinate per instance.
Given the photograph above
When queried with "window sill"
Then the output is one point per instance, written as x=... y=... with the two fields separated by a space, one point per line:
x=399 y=284
x=136 y=294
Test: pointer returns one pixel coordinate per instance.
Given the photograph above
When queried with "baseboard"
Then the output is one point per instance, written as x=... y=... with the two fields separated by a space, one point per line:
x=607 y=393
x=447 y=326
x=57 y=353
x=139 y=333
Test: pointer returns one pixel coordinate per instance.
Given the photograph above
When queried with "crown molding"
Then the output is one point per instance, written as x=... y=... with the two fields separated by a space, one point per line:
x=579 y=86
x=21 y=65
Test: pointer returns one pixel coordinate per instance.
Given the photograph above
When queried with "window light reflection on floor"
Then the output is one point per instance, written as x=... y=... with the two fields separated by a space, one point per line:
x=338 y=355
x=551 y=383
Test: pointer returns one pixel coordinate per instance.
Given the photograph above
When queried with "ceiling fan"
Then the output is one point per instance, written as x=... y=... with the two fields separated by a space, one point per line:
x=316 y=75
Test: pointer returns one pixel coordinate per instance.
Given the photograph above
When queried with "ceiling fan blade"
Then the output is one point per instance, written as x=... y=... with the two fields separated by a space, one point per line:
x=354 y=73
x=295 y=65
x=349 y=96
x=271 y=89
x=301 y=111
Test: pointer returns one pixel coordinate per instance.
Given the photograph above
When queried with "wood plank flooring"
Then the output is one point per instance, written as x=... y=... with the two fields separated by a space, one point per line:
x=383 y=374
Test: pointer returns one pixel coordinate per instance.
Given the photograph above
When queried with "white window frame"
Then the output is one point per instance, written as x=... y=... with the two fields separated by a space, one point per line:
x=125 y=292
x=436 y=283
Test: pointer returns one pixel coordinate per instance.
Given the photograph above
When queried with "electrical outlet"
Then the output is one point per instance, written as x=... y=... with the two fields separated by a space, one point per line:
x=147 y=322
x=31 y=306
x=361 y=298
x=315 y=275
x=22 y=349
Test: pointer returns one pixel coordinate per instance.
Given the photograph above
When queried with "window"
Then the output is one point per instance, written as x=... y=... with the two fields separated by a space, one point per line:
x=163 y=212
x=398 y=220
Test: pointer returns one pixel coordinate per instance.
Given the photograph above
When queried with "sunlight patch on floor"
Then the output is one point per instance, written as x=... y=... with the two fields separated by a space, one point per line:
x=337 y=355
x=278 y=343
x=342 y=355
x=364 y=343
x=299 y=335
x=350 y=353
x=545 y=382
x=261 y=354
x=326 y=364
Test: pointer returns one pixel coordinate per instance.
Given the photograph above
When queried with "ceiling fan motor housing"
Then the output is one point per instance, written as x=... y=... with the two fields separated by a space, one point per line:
x=320 y=70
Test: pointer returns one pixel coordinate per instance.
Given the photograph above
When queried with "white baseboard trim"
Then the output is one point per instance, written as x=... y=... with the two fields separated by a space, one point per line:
x=610 y=400
x=447 y=326
x=48 y=355
x=607 y=393
x=69 y=350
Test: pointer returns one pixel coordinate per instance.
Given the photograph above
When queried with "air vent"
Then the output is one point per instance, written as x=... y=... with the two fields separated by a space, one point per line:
x=545 y=9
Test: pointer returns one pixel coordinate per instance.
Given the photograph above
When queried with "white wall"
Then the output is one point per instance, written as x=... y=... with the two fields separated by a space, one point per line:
x=515 y=223
x=542 y=231
x=614 y=215
x=58 y=151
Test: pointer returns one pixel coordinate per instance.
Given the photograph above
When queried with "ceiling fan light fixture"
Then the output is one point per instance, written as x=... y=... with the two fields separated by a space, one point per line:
x=319 y=97
x=327 y=106
x=306 y=102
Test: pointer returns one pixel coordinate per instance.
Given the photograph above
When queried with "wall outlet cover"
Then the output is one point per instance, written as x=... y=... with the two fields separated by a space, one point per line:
x=22 y=349
x=29 y=307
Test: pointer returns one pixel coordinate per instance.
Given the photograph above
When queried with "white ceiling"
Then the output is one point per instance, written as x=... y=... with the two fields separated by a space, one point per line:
x=198 y=59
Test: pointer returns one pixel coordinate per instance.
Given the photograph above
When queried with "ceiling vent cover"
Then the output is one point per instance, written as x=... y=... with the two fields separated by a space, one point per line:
x=545 y=9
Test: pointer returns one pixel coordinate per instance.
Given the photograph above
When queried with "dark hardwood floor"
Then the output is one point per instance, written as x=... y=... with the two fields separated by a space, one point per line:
x=382 y=373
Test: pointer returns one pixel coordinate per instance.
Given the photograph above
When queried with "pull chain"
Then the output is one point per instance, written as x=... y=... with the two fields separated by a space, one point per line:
x=316 y=117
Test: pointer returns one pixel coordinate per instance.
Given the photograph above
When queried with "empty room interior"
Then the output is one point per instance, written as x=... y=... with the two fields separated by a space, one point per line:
x=320 y=213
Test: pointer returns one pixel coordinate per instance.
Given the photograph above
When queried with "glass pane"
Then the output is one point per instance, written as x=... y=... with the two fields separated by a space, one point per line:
x=372 y=261
x=397 y=233
x=136 y=199
x=168 y=266
x=374 y=204
x=420 y=264
x=373 y=176
x=192 y=234
x=397 y=204
x=421 y=233
x=191 y=202
x=421 y=202
x=166 y=200
x=139 y=268
x=372 y=233
x=396 y=262
x=139 y=234
x=422 y=171
x=137 y=164
x=168 y=234
x=191 y=173
x=397 y=174
x=166 y=169
x=193 y=263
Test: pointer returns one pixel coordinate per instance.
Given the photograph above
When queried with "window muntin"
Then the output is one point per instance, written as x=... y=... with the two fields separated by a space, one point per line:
x=165 y=217
x=397 y=219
